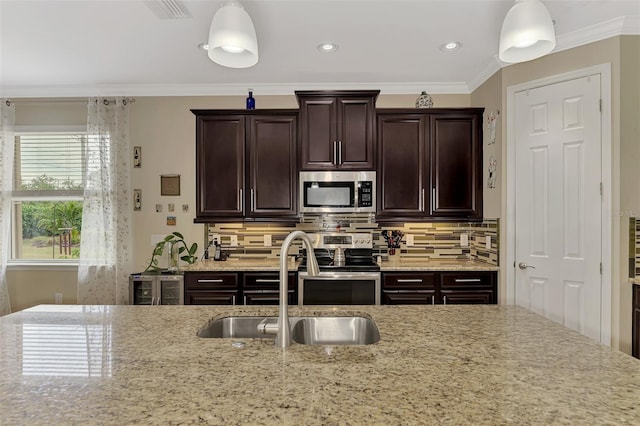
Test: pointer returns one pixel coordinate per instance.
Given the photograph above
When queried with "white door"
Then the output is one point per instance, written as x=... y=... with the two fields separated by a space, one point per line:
x=558 y=203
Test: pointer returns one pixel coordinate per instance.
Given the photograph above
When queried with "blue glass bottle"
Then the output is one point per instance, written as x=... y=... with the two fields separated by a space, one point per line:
x=251 y=102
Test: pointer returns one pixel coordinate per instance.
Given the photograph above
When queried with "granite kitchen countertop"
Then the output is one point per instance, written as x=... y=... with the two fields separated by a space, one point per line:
x=240 y=265
x=484 y=364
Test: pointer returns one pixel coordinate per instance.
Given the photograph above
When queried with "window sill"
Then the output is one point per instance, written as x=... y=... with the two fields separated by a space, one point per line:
x=18 y=265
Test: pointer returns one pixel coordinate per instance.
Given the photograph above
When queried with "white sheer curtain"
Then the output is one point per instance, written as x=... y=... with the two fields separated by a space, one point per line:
x=7 y=142
x=106 y=242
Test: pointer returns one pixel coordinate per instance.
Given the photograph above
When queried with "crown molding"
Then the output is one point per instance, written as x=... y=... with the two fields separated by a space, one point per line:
x=623 y=25
x=236 y=89
x=494 y=65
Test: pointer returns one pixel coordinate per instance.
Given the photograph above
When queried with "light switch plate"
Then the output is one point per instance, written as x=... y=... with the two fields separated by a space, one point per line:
x=409 y=240
x=267 y=240
x=234 y=241
x=214 y=236
x=464 y=240
x=487 y=242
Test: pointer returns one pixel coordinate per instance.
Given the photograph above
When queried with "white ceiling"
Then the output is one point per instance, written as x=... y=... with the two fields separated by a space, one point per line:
x=110 y=47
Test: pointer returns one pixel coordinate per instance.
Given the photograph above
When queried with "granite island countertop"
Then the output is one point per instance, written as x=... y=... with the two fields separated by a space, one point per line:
x=485 y=364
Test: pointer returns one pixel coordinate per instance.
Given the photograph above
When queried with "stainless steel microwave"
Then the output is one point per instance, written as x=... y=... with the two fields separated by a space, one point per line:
x=338 y=192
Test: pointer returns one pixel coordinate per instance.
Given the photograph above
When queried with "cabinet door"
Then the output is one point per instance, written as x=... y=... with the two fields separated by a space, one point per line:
x=209 y=297
x=356 y=133
x=423 y=297
x=318 y=137
x=211 y=288
x=635 y=326
x=220 y=166
x=337 y=129
x=468 y=287
x=401 y=166
x=467 y=297
x=271 y=146
x=141 y=291
x=170 y=290
x=456 y=165
x=268 y=298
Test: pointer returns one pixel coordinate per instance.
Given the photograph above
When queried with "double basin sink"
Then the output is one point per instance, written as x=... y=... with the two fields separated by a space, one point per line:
x=322 y=330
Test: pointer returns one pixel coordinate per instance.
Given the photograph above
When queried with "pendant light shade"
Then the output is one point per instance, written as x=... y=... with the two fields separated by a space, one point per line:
x=232 y=37
x=527 y=32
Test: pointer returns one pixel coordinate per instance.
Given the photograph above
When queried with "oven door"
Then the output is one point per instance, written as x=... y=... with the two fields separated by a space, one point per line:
x=339 y=288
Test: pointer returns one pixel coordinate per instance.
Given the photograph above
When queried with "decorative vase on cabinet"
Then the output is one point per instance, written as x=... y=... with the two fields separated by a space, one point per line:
x=424 y=100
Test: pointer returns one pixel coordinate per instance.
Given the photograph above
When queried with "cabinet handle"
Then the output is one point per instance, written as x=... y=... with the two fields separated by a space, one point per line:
x=444 y=300
x=468 y=280
x=433 y=300
x=253 y=200
x=245 y=300
x=267 y=280
x=339 y=152
x=409 y=280
x=433 y=199
x=233 y=299
x=422 y=200
x=240 y=200
x=210 y=281
x=335 y=153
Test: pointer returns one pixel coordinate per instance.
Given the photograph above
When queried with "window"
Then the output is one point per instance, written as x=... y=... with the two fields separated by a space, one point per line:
x=47 y=196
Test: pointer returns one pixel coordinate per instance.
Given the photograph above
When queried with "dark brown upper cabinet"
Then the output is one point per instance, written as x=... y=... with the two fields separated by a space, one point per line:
x=429 y=164
x=246 y=165
x=337 y=129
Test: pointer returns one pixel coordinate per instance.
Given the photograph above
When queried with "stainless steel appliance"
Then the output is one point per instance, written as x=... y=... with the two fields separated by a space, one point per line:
x=356 y=282
x=150 y=288
x=338 y=192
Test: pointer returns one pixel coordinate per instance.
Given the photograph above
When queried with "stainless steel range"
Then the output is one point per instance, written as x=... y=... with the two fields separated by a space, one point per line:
x=349 y=274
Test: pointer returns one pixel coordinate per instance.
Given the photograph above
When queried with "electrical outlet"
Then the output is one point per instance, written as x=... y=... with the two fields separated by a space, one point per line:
x=487 y=242
x=233 y=240
x=58 y=298
x=267 y=240
x=464 y=240
x=409 y=240
x=214 y=237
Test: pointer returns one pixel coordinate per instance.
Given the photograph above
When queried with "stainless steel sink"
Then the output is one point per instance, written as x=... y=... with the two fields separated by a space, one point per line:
x=335 y=331
x=236 y=327
x=305 y=330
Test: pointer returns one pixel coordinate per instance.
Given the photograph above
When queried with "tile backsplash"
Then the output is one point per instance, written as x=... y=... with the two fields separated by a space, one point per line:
x=439 y=241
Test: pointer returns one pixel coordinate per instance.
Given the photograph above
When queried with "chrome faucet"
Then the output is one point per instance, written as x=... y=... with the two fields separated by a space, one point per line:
x=283 y=329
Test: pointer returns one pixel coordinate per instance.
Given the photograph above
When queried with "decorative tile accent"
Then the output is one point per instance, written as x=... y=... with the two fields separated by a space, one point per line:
x=431 y=241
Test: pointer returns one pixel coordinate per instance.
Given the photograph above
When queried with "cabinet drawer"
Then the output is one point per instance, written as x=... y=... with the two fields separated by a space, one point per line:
x=477 y=297
x=208 y=281
x=267 y=281
x=408 y=297
x=408 y=280
x=466 y=279
x=211 y=298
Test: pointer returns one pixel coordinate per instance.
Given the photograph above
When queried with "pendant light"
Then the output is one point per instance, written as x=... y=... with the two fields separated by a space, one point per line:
x=527 y=32
x=232 y=37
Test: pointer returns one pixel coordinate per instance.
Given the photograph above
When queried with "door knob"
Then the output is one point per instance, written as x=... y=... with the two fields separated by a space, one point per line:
x=523 y=265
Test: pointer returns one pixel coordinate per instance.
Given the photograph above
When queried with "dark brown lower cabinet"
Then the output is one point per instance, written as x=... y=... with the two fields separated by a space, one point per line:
x=237 y=288
x=263 y=288
x=635 y=339
x=211 y=288
x=439 y=288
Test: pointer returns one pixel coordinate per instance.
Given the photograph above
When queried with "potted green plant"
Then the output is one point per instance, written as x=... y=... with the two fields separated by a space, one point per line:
x=178 y=250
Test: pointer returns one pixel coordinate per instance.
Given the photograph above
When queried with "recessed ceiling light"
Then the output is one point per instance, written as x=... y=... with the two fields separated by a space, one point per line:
x=327 y=47
x=451 y=46
x=203 y=46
